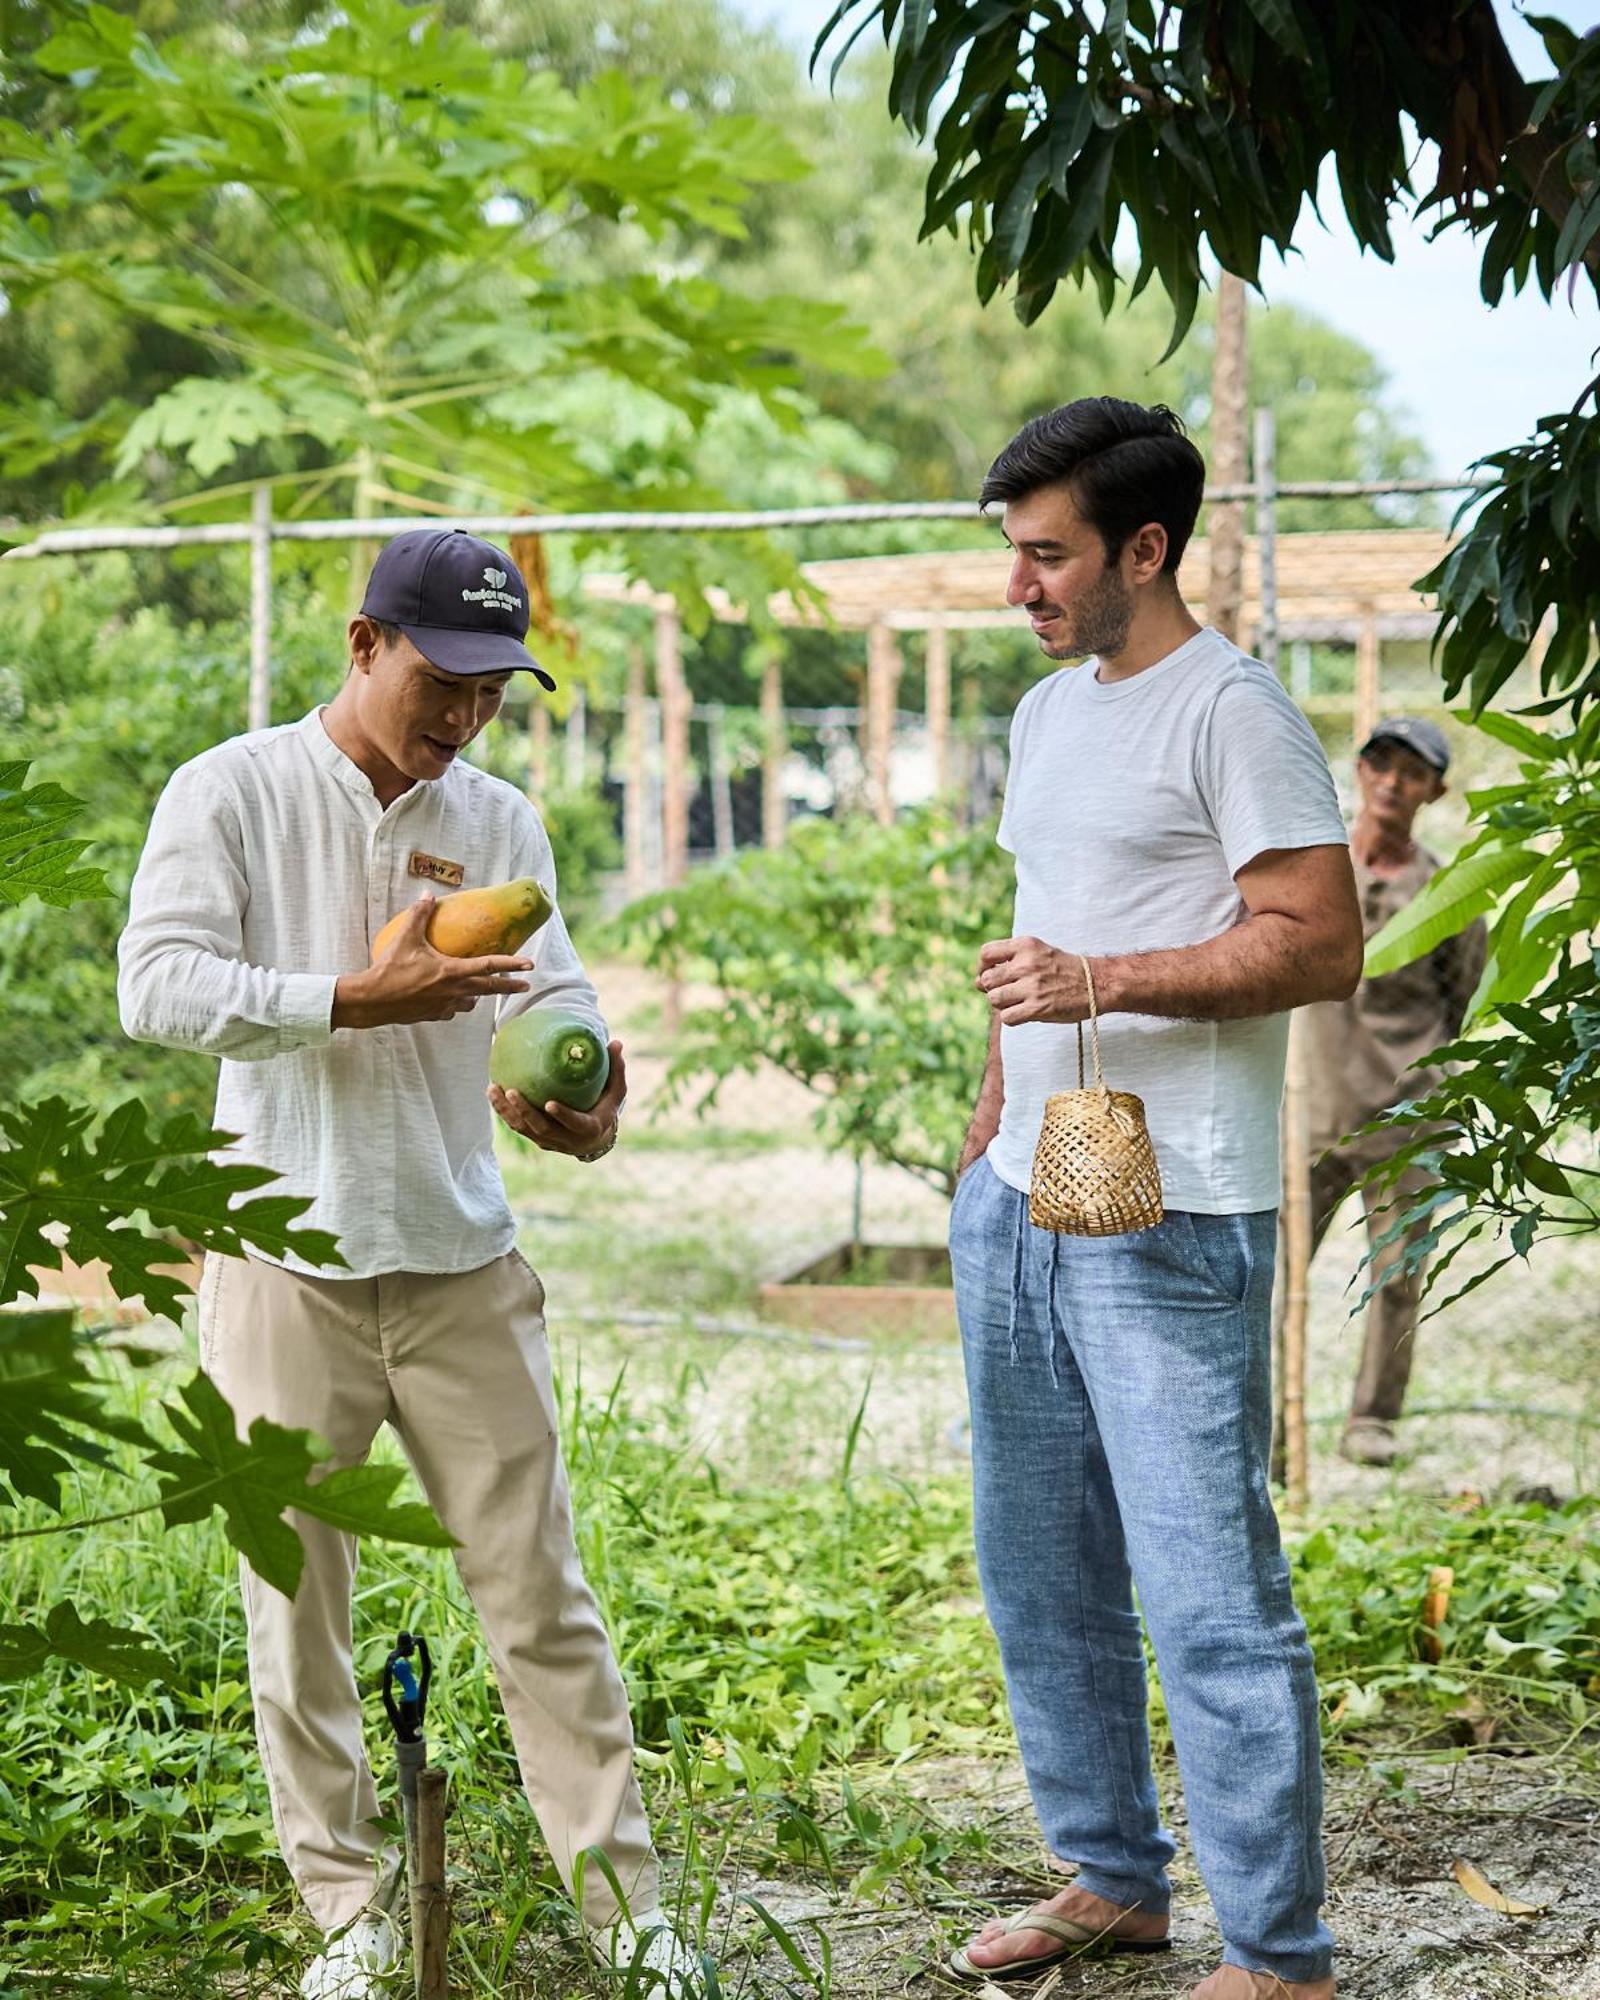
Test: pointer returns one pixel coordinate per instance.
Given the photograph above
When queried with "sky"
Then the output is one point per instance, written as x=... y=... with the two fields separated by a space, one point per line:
x=1469 y=379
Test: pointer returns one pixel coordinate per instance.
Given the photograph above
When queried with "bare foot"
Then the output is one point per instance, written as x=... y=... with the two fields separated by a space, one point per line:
x=995 y=1946
x=1233 y=1982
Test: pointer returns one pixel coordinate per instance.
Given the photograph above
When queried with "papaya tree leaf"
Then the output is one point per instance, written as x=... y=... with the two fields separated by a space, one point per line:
x=115 y=1651
x=51 y=1413
x=35 y=858
x=254 y=1479
x=91 y=1184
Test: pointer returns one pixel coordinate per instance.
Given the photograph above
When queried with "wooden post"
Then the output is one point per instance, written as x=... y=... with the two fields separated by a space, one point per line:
x=430 y=1903
x=774 y=752
x=259 y=711
x=673 y=693
x=883 y=681
x=1229 y=431
x=1369 y=692
x=936 y=703
x=1297 y=1264
x=635 y=780
x=721 y=784
x=538 y=750
x=577 y=760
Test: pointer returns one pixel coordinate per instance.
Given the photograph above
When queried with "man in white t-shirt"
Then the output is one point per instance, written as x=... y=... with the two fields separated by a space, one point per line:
x=1175 y=824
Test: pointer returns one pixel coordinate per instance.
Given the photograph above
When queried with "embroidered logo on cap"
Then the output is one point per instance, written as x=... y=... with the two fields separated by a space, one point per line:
x=497 y=596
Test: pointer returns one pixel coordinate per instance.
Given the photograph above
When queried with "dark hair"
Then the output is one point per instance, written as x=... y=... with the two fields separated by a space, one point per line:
x=1124 y=464
x=391 y=635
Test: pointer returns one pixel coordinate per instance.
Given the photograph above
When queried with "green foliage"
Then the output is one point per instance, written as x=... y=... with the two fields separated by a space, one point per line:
x=800 y=1657
x=82 y=1185
x=1519 y=1096
x=1523 y=1623
x=1528 y=560
x=1210 y=124
x=384 y=239
x=1497 y=1135
x=846 y=958
x=67 y=1186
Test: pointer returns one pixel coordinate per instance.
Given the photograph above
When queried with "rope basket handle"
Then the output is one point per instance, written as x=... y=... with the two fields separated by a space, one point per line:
x=1094 y=1034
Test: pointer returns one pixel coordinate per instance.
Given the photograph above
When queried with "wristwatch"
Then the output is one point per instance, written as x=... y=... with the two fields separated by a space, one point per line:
x=599 y=1153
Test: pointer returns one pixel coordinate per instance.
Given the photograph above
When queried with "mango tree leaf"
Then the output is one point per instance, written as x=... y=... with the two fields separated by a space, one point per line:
x=113 y=1650
x=52 y=1170
x=1507 y=729
x=255 y=1479
x=1461 y=891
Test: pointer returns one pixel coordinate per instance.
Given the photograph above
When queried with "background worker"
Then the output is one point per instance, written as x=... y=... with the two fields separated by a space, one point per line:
x=1359 y=1056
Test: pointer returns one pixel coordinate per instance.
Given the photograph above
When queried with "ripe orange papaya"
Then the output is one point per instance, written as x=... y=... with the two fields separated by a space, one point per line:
x=479 y=923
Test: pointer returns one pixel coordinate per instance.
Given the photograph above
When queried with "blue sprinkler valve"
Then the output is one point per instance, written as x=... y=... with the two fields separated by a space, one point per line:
x=410 y=1711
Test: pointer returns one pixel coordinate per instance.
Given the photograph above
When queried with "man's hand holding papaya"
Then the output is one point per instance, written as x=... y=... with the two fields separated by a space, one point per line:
x=1024 y=979
x=556 y=1127
x=413 y=982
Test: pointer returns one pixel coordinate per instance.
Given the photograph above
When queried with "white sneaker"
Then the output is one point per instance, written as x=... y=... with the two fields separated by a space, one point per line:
x=355 y=1960
x=649 y=1945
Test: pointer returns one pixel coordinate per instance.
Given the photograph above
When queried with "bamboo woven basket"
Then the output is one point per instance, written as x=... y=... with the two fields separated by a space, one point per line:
x=1094 y=1169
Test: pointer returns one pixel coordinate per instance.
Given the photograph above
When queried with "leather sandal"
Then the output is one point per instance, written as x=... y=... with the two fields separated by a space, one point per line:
x=1076 y=1941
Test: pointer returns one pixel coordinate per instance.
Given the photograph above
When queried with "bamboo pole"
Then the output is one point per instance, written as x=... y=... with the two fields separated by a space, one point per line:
x=721 y=783
x=1369 y=670
x=936 y=703
x=430 y=1903
x=1229 y=441
x=577 y=759
x=635 y=780
x=1297 y=1264
x=673 y=693
x=538 y=750
x=1291 y=1384
x=260 y=702
x=774 y=751
x=883 y=680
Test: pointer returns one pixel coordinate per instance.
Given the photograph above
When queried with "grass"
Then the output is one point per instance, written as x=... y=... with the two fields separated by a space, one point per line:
x=802 y=1652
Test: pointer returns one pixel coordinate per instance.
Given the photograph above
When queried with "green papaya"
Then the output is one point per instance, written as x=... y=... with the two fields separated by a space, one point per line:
x=545 y=1052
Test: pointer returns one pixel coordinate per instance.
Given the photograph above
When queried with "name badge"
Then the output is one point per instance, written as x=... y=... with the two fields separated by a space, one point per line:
x=432 y=869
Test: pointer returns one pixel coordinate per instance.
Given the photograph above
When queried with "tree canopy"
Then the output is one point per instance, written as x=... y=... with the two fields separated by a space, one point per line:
x=1209 y=125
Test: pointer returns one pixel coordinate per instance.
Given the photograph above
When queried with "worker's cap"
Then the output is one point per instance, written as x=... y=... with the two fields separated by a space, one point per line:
x=459 y=600
x=1425 y=738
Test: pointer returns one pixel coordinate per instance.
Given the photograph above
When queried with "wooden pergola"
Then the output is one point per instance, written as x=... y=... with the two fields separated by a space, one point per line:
x=1353 y=587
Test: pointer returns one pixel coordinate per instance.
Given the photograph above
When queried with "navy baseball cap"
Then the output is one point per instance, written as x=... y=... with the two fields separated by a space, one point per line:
x=1426 y=739
x=459 y=600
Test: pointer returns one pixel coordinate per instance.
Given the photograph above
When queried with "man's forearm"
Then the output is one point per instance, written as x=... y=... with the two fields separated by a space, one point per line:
x=1265 y=965
x=991 y=1098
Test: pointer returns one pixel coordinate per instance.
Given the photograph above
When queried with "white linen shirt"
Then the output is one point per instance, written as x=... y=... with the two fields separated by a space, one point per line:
x=268 y=869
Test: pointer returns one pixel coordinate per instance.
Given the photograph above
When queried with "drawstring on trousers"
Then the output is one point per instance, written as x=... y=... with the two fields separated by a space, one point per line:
x=1016 y=1276
x=1055 y=1330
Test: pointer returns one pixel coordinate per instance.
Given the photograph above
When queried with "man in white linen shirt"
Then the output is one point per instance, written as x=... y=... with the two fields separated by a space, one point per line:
x=272 y=860
x=1176 y=830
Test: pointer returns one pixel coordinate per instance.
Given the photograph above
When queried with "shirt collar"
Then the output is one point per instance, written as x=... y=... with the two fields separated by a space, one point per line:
x=345 y=770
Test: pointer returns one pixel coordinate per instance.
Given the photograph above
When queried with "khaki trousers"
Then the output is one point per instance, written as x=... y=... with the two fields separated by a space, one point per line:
x=458 y=1365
